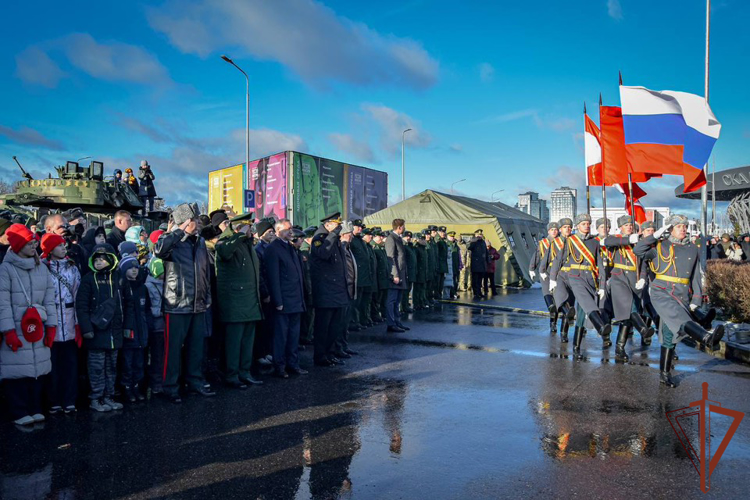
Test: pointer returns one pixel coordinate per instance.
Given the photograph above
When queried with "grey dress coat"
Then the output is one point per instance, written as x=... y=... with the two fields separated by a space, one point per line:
x=397 y=265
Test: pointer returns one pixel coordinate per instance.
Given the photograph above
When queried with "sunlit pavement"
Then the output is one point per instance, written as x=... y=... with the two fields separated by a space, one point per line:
x=471 y=403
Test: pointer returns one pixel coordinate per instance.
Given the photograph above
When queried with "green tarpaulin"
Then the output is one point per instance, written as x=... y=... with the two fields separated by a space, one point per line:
x=513 y=233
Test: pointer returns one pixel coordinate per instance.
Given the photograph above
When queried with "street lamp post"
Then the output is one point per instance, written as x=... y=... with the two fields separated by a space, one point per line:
x=455 y=184
x=492 y=196
x=247 y=111
x=403 y=174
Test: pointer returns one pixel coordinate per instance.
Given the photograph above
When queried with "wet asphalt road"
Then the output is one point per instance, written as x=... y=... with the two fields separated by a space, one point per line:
x=470 y=403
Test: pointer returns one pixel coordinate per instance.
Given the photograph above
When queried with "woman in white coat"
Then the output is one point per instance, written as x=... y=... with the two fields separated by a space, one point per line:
x=28 y=324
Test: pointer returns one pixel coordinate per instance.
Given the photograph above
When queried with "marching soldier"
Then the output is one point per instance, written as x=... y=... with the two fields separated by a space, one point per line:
x=564 y=300
x=676 y=290
x=645 y=276
x=420 y=250
x=535 y=263
x=454 y=251
x=438 y=236
x=605 y=270
x=411 y=270
x=579 y=257
x=625 y=287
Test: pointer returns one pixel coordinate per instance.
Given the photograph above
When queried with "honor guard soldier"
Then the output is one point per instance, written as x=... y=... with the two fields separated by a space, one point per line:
x=579 y=257
x=625 y=289
x=541 y=253
x=605 y=267
x=676 y=290
x=362 y=255
x=645 y=276
x=564 y=300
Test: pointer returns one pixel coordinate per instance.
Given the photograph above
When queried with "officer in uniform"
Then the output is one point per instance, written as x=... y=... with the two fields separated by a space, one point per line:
x=366 y=311
x=378 y=299
x=579 y=257
x=465 y=274
x=454 y=251
x=360 y=249
x=536 y=260
x=420 y=251
x=330 y=294
x=478 y=249
x=438 y=236
x=411 y=273
x=308 y=317
x=625 y=287
x=676 y=290
x=564 y=300
x=431 y=265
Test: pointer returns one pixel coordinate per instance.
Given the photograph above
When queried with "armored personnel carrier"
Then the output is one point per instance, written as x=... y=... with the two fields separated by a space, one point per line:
x=87 y=188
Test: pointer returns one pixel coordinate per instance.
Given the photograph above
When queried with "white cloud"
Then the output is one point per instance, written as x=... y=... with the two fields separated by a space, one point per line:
x=304 y=35
x=348 y=144
x=31 y=137
x=509 y=117
x=486 y=72
x=456 y=148
x=391 y=125
x=34 y=66
x=614 y=9
x=545 y=122
x=112 y=61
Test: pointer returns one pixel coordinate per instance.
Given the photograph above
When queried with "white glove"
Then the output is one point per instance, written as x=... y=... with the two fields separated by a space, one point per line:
x=601 y=293
x=552 y=285
x=693 y=307
x=532 y=274
x=659 y=232
x=640 y=284
x=543 y=276
x=633 y=239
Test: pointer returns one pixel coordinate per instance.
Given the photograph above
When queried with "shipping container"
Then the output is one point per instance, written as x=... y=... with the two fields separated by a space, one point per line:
x=300 y=187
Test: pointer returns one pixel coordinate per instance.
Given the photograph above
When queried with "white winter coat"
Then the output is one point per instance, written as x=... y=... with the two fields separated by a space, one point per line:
x=66 y=279
x=31 y=360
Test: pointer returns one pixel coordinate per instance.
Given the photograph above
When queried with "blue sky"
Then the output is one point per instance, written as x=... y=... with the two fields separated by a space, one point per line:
x=493 y=90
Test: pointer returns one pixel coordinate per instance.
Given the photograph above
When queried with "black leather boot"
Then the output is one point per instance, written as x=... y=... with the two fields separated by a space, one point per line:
x=622 y=339
x=700 y=335
x=665 y=365
x=550 y=304
x=564 y=327
x=705 y=319
x=645 y=342
x=637 y=322
x=553 y=323
x=604 y=329
x=577 y=338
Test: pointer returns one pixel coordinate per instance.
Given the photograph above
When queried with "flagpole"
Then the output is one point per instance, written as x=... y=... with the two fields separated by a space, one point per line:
x=586 y=167
x=713 y=196
x=630 y=178
x=604 y=177
x=704 y=190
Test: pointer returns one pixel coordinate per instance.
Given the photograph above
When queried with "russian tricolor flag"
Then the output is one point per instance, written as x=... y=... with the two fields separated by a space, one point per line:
x=669 y=133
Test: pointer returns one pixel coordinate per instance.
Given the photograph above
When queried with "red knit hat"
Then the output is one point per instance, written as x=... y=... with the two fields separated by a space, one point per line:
x=154 y=236
x=50 y=241
x=18 y=236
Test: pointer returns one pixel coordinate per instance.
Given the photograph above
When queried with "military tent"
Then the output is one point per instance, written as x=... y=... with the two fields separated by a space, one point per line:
x=513 y=233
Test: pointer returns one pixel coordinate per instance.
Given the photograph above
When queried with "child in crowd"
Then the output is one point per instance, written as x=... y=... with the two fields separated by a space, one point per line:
x=66 y=279
x=136 y=319
x=155 y=287
x=127 y=248
x=99 y=309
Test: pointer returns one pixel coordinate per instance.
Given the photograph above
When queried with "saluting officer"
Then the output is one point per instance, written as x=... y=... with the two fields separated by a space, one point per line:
x=420 y=250
x=676 y=290
x=564 y=299
x=625 y=287
x=579 y=256
x=536 y=261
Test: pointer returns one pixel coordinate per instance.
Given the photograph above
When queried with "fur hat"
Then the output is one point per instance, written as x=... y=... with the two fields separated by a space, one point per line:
x=566 y=221
x=582 y=218
x=553 y=225
x=676 y=219
x=647 y=225
x=624 y=219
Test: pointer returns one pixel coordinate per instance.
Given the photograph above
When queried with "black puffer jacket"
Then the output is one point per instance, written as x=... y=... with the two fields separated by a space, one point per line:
x=96 y=287
x=187 y=273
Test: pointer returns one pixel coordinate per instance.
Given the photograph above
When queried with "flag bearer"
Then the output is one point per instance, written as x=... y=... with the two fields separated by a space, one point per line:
x=564 y=300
